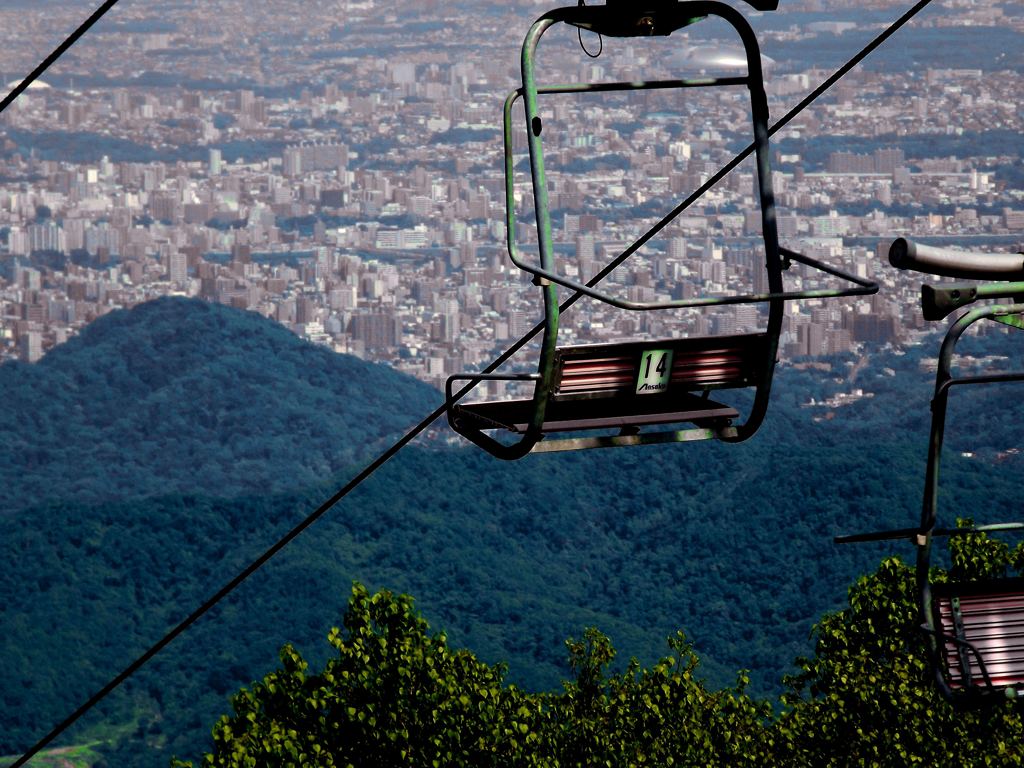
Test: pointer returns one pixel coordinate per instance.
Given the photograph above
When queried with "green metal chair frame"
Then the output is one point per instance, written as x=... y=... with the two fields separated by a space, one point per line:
x=622 y=19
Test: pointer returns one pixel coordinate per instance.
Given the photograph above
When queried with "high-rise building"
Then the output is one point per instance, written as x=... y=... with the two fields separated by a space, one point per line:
x=30 y=346
x=46 y=237
x=215 y=162
x=177 y=267
x=306 y=158
x=888 y=160
x=376 y=330
x=677 y=248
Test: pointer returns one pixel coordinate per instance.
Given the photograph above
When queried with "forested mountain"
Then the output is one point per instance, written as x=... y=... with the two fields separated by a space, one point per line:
x=731 y=543
x=182 y=396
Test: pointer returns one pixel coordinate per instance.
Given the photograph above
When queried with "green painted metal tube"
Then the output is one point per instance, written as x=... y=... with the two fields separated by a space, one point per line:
x=549 y=341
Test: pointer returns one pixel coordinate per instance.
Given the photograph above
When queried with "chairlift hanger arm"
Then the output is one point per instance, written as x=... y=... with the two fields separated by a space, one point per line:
x=944 y=381
x=753 y=80
x=751 y=148
x=531 y=90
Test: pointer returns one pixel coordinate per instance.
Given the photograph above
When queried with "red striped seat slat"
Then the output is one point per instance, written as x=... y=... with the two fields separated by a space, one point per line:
x=993 y=624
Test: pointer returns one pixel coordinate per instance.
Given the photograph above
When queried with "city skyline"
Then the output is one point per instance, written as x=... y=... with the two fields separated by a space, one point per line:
x=365 y=211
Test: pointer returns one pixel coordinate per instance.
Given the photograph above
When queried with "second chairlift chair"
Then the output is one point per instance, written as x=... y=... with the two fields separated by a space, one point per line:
x=975 y=629
x=644 y=389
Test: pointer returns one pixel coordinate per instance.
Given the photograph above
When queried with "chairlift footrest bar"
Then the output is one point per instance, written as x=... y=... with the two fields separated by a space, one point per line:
x=642 y=438
x=605 y=413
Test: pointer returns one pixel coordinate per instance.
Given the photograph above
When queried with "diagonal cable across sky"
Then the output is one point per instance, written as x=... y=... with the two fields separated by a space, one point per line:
x=56 y=54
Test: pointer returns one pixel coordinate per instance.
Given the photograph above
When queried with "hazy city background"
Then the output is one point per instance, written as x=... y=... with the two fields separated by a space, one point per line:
x=336 y=166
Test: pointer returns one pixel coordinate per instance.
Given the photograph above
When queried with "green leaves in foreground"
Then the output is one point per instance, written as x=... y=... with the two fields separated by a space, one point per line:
x=394 y=695
x=867 y=696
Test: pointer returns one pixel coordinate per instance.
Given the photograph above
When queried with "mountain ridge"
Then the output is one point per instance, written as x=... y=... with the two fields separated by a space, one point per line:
x=181 y=395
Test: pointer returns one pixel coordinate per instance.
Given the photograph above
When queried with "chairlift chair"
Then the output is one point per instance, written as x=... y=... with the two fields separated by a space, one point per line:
x=975 y=630
x=645 y=389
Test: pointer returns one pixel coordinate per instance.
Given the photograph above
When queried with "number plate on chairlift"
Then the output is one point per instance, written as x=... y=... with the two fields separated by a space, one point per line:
x=655 y=371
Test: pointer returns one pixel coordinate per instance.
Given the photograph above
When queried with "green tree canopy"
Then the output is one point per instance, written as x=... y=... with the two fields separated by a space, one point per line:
x=867 y=696
x=393 y=694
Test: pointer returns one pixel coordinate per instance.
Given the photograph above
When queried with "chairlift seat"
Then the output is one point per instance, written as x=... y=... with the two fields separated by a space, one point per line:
x=619 y=385
x=579 y=388
x=987 y=621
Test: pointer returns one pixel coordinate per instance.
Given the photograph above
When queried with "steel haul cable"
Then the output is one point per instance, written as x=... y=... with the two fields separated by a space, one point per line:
x=440 y=410
x=57 y=53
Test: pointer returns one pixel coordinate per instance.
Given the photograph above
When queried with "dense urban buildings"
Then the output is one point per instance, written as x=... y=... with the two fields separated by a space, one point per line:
x=336 y=166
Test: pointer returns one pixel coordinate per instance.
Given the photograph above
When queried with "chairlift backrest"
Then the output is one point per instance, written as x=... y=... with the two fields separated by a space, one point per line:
x=632 y=368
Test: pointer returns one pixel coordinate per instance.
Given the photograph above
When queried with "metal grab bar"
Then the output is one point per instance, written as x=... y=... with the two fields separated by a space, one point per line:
x=950 y=262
